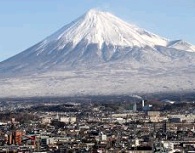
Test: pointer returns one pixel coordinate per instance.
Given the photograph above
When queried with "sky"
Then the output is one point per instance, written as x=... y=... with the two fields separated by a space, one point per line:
x=24 y=23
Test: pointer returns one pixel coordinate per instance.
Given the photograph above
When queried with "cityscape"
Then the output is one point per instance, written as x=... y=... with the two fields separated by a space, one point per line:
x=96 y=125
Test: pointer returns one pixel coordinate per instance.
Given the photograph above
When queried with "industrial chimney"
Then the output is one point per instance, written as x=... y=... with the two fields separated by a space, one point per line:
x=143 y=103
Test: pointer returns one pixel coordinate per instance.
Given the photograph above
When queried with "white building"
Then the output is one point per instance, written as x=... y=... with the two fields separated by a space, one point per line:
x=46 y=120
x=68 y=120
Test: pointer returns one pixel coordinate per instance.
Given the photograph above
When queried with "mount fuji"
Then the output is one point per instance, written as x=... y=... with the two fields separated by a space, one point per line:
x=99 y=54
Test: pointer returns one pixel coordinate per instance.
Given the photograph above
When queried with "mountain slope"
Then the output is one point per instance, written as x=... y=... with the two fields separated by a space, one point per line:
x=99 y=53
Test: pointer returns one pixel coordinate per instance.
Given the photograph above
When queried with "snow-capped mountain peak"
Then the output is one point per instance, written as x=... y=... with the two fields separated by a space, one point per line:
x=100 y=27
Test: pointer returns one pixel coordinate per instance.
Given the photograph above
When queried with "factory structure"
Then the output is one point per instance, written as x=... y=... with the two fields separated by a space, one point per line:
x=144 y=107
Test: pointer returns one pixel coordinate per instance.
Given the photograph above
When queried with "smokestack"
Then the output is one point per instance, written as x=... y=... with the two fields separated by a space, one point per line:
x=143 y=103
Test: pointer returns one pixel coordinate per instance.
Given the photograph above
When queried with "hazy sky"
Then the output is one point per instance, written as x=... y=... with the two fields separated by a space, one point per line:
x=26 y=22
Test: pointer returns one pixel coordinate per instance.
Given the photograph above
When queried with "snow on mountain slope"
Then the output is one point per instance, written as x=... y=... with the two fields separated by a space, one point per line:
x=99 y=53
x=102 y=27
